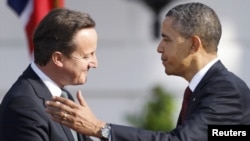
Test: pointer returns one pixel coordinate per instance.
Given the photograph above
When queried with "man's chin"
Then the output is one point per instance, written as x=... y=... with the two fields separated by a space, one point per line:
x=168 y=73
x=83 y=81
x=80 y=82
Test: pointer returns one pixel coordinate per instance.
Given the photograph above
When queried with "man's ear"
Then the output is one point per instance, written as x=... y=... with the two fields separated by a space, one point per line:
x=57 y=58
x=196 y=43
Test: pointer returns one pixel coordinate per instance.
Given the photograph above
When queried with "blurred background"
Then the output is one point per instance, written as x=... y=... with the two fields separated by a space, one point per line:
x=129 y=65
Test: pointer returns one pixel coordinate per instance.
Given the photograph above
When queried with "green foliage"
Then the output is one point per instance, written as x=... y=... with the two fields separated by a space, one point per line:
x=158 y=112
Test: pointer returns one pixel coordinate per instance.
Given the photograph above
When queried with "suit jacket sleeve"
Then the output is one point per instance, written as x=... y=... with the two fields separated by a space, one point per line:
x=226 y=109
x=221 y=98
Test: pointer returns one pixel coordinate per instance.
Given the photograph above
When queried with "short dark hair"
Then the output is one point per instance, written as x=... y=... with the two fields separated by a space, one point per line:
x=197 y=19
x=56 y=32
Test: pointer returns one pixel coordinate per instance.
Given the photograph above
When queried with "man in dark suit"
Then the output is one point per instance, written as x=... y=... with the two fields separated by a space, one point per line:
x=65 y=43
x=190 y=36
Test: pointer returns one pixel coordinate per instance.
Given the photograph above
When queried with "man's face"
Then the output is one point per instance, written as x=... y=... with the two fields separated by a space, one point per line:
x=174 y=49
x=82 y=59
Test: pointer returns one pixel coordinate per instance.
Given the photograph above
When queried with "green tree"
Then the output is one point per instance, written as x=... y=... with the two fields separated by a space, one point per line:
x=158 y=112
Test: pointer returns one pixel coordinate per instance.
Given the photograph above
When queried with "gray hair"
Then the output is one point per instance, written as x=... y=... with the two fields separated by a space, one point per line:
x=197 y=19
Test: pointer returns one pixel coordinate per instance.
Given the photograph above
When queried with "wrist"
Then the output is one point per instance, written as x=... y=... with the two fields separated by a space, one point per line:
x=104 y=132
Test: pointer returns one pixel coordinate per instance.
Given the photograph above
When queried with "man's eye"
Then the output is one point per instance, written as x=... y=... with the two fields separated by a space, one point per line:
x=166 y=39
x=86 y=57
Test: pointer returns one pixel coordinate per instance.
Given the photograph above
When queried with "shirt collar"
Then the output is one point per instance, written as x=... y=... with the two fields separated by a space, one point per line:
x=51 y=85
x=198 y=76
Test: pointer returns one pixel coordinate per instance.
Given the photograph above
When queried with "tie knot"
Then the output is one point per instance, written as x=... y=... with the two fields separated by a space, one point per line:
x=187 y=93
x=64 y=93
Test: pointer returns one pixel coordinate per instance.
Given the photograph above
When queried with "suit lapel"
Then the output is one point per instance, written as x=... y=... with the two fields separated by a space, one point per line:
x=67 y=132
x=43 y=92
x=218 y=66
x=39 y=87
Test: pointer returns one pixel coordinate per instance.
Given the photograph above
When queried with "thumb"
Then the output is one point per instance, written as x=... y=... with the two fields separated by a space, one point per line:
x=81 y=99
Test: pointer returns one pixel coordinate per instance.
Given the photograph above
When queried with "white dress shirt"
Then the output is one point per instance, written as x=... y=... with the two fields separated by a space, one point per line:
x=199 y=75
x=51 y=85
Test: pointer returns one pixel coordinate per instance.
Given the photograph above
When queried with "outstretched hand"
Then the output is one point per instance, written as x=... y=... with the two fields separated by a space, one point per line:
x=76 y=116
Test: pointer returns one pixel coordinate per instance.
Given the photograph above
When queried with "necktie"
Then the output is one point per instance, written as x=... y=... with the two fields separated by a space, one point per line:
x=186 y=97
x=65 y=95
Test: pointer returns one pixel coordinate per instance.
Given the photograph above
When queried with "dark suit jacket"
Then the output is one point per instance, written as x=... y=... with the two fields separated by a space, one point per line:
x=221 y=98
x=23 y=116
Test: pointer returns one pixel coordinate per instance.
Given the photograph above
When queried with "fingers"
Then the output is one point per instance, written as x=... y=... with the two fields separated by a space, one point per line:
x=57 y=109
x=56 y=105
x=81 y=99
x=64 y=116
x=64 y=101
x=58 y=115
